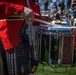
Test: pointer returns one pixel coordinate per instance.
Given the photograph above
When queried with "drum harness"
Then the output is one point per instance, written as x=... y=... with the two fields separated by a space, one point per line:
x=33 y=61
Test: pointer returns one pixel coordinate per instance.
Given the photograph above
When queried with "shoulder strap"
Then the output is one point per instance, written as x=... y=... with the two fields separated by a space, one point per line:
x=28 y=4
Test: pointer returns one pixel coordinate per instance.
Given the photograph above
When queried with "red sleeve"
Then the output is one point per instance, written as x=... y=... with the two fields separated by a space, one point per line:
x=8 y=9
x=17 y=8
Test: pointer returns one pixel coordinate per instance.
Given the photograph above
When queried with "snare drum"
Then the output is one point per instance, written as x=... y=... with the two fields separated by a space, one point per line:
x=55 y=43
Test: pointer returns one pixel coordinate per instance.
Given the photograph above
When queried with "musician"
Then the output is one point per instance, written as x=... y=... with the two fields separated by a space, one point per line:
x=68 y=19
x=15 y=46
x=58 y=15
x=52 y=5
x=61 y=6
x=69 y=3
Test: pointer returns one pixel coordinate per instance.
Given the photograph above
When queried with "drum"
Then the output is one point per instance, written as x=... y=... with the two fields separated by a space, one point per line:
x=55 y=43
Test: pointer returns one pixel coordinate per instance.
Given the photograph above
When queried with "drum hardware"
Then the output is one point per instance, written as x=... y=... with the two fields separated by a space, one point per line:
x=50 y=60
x=40 y=44
x=59 y=61
x=60 y=33
x=72 y=48
x=48 y=51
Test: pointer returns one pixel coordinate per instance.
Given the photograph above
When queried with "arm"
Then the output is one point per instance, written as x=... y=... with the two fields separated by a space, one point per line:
x=12 y=9
x=8 y=9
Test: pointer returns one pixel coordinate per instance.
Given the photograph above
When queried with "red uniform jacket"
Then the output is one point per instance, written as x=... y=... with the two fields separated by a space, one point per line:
x=9 y=30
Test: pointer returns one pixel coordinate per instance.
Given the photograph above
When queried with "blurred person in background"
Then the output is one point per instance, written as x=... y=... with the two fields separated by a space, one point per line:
x=61 y=6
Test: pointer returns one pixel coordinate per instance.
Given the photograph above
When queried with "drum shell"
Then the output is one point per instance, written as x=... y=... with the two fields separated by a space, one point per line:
x=65 y=43
x=67 y=50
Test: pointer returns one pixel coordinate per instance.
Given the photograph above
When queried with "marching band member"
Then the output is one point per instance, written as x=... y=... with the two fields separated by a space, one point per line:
x=13 y=35
x=17 y=51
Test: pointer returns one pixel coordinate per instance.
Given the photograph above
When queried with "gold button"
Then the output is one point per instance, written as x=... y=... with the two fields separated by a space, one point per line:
x=29 y=19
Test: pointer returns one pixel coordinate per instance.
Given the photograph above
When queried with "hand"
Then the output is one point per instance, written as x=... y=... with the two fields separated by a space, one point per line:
x=29 y=15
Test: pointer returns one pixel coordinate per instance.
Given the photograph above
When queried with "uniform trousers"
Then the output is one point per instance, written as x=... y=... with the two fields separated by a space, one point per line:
x=18 y=60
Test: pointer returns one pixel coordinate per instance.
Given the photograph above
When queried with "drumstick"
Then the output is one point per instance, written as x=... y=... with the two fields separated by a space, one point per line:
x=42 y=21
x=16 y=18
x=45 y=22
